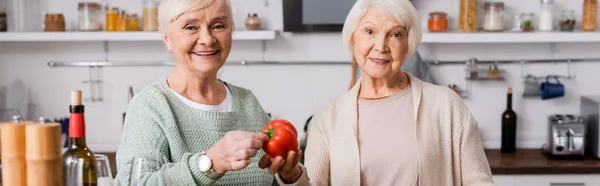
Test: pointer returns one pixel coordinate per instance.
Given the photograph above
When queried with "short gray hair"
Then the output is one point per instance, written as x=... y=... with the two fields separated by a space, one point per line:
x=401 y=11
x=170 y=10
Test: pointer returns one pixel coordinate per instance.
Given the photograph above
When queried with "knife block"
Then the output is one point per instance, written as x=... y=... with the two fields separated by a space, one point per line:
x=12 y=142
x=43 y=155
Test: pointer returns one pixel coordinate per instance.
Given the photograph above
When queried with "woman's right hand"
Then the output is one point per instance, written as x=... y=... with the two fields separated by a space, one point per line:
x=234 y=150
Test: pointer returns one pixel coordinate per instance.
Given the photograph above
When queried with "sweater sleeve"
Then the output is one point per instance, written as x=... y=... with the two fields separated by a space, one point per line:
x=144 y=138
x=475 y=169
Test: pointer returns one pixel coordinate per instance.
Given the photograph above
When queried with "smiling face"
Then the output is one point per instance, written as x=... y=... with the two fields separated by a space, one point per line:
x=201 y=39
x=380 y=44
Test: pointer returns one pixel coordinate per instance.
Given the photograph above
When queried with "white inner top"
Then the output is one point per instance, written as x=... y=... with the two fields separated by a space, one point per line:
x=225 y=106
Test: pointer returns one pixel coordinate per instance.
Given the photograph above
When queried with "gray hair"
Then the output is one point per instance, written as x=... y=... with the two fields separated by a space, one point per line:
x=401 y=11
x=170 y=10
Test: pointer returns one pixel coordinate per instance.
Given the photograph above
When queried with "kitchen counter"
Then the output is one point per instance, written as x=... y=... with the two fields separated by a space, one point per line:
x=524 y=161
x=532 y=161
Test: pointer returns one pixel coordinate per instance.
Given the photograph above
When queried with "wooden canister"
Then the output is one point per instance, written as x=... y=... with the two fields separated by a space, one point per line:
x=13 y=154
x=43 y=154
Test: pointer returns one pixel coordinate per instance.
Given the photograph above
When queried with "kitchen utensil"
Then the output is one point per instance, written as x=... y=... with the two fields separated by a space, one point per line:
x=43 y=154
x=551 y=90
x=566 y=136
x=590 y=109
x=531 y=87
x=12 y=139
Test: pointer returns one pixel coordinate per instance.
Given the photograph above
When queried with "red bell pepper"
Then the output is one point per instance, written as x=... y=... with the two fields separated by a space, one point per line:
x=283 y=138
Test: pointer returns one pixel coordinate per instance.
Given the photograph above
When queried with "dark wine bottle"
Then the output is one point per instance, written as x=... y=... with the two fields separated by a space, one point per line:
x=509 y=126
x=79 y=162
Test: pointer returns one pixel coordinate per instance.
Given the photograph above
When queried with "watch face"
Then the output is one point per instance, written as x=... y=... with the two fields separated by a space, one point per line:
x=204 y=163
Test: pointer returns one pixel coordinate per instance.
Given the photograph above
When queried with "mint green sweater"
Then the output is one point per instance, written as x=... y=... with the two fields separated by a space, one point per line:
x=158 y=124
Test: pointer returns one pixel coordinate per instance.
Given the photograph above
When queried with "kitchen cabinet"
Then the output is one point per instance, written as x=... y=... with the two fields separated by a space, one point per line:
x=504 y=180
x=548 y=180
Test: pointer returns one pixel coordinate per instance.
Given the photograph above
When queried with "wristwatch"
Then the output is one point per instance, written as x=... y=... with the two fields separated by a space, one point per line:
x=205 y=166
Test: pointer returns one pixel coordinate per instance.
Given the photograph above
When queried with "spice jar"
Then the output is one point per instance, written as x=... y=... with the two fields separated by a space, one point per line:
x=567 y=21
x=438 y=22
x=472 y=68
x=252 y=22
x=517 y=23
x=493 y=72
x=112 y=19
x=133 y=23
x=54 y=23
x=527 y=22
x=590 y=9
x=149 y=16
x=467 y=21
x=494 y=16
x=545 y=22
x=90 y=16
x=122 y=21
x=2 y=22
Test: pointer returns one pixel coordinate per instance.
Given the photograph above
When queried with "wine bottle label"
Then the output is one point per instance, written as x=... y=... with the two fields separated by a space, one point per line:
x=76 y=125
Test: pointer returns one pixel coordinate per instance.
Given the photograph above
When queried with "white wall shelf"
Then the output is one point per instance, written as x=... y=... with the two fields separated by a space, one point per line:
x=510 y=37
x=116 y=36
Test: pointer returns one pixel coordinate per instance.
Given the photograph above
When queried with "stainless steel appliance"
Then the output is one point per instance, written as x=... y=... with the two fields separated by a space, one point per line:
x=566 y=136
x=590 y=109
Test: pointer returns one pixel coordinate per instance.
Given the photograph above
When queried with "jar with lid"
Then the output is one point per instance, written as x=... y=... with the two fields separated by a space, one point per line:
x=133 y=23
x=546 y=14
x=567 y=21
x=590 y=10
x=3 y=22
x=252 y=22
x=149 y=15
x=112 y=19
x=494 y=16
x=437 y=22
x=527 y=22
x=90 y=16
x=467 y=21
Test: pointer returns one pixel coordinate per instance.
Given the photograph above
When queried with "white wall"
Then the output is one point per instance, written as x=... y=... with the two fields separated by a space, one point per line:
x=290 y=92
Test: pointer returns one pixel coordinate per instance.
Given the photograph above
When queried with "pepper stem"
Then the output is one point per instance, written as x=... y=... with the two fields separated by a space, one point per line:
x=270 y=133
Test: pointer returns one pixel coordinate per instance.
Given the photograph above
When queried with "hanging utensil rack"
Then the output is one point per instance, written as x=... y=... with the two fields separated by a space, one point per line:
x=96 y=66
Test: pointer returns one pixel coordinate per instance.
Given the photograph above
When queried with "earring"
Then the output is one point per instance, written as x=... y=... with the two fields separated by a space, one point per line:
x=169 y=48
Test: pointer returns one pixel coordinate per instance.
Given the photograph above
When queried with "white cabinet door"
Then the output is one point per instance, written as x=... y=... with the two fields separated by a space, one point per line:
x=558 y=180
x=504 y=180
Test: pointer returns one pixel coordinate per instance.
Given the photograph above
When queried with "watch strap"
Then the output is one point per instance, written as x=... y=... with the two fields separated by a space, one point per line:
x=210 y=173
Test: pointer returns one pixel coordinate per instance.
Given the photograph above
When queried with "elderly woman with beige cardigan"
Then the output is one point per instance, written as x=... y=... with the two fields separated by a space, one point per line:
x=392 y=128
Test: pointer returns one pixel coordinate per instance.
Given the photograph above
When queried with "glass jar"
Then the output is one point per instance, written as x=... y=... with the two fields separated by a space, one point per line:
x=122 y=21
x=527 y=22
x=567 y=21
x=112 y=19
x=150 y=14
x=546 y=11
x=590 y=10
x=467 y=21
x=90 y=16
x=517 y=23
x=438 y=22
x=494 y=16
x=252 y=22
x=2 y=22
x=133 y=22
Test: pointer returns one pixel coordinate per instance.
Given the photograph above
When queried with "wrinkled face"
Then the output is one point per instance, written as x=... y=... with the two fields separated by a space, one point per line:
x=380 y=44
x=201 y=40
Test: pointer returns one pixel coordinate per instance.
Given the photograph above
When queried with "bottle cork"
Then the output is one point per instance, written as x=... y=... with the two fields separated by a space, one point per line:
x=76 y=97
x=12 y=139
x=43 y=154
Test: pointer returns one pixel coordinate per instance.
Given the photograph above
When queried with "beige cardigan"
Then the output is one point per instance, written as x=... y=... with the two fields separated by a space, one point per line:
x=449 y=147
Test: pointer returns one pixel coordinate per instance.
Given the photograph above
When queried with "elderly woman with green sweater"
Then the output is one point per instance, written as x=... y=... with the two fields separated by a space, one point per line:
x=208 y=130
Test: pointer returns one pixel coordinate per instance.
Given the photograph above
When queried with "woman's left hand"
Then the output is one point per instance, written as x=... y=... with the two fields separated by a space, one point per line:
x=288 y=169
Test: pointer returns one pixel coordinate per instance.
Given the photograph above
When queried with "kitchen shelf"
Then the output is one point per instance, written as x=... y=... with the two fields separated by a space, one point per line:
x=117 y=36
x=510 y=37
